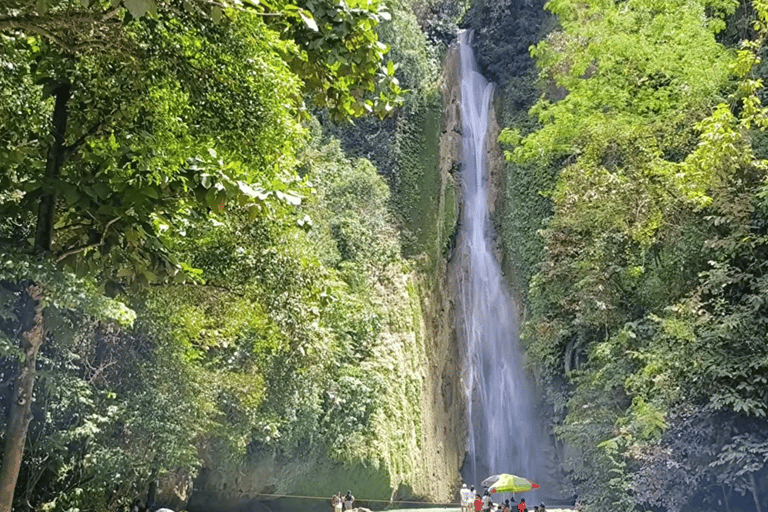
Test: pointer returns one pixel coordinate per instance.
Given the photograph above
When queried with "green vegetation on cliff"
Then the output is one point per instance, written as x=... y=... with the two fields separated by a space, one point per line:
x=194 y=274
x=645 y=316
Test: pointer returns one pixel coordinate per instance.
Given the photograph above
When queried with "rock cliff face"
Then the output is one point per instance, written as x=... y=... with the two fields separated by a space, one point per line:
x=418 y=441
x=504 y=30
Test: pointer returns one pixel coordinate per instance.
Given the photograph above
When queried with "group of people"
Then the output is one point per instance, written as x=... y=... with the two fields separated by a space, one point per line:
x=471 y=501
x=338 y=501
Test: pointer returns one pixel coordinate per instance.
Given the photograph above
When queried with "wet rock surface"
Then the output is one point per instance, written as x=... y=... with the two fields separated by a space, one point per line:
x=504 y=31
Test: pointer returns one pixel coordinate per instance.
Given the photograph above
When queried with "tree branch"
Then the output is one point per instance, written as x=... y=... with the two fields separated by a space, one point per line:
x=64 y=20
x=20 y=24
x=48 y=26
x=89 y=246
x=72 y=148
x=109 y=13
x=74 y=225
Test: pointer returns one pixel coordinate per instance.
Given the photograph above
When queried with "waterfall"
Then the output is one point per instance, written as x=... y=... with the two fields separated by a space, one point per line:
x=504 y=433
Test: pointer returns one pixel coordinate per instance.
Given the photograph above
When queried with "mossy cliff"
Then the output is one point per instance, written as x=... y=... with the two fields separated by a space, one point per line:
x=416 y=444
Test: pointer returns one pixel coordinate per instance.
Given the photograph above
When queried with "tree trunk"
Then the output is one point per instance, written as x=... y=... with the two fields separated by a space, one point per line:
x=104 y=354
x=21 y=406
x=152 y=491
x=33 y=331
x=47 y=207
x=755 y=492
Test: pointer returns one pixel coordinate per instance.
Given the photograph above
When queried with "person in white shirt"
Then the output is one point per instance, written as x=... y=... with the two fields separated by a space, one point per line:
x=466 y=498
x=487 y=503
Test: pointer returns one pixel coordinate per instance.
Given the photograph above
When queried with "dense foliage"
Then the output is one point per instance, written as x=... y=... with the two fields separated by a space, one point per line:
x=192 y=271
x=647 y=311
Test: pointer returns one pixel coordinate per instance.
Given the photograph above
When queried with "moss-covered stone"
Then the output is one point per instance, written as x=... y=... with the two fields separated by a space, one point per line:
x=418 y=194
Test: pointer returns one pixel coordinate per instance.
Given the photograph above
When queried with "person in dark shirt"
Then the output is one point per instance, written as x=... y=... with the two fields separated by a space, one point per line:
x=348 y=500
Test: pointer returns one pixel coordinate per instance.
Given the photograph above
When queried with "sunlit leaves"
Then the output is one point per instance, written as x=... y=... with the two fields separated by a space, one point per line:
x=336 y=52
x=141 y=135
x=61 y=290
x=139 y=8
x=178 y=194
x=658 y=179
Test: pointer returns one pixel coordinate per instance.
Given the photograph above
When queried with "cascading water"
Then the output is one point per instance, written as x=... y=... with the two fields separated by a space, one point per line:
x=504 y=436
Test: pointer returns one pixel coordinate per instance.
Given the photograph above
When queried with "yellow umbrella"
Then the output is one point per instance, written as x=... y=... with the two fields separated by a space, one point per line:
x=508 y=483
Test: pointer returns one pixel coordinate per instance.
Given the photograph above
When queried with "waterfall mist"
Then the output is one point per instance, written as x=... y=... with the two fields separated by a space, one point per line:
x=505 y=436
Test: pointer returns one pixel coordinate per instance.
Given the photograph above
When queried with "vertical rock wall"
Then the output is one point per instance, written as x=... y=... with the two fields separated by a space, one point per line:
x=419 y=432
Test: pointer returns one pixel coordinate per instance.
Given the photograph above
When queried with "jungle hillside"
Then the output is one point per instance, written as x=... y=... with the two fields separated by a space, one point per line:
x=226 y=229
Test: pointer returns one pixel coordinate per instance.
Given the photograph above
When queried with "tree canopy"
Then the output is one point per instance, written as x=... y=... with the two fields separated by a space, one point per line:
x=643 y=301
x=158 y=277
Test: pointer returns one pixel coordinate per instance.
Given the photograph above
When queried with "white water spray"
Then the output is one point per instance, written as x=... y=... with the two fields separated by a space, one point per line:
x=503 y=431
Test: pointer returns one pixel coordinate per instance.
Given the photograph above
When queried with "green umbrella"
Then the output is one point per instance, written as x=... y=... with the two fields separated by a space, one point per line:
x=508 y=483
